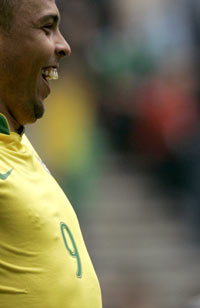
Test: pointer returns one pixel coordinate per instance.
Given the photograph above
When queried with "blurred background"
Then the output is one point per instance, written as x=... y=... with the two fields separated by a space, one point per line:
x=121 y=134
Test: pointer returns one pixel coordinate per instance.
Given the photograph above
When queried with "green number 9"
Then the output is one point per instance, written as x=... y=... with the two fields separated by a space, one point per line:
x=73 y=253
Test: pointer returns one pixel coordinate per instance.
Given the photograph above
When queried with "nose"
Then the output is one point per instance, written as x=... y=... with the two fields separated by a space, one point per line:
x=62 y=47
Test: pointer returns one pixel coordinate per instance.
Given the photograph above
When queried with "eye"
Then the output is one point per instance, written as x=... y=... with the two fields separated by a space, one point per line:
x=47 y=28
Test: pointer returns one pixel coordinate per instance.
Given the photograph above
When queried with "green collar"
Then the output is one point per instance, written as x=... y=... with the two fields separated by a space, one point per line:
x=4 y=126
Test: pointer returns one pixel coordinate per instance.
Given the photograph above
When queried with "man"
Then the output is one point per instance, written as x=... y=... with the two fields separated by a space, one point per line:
x=43 y=259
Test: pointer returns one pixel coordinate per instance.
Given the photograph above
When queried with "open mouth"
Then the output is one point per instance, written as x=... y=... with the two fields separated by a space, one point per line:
x=50 y=73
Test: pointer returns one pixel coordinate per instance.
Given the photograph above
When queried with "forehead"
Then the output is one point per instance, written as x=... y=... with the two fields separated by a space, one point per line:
x=35 y=9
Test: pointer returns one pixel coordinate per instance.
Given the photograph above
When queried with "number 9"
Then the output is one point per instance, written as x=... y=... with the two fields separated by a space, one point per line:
x=74 y=253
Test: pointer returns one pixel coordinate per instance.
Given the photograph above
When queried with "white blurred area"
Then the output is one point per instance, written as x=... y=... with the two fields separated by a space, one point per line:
x=121 y=135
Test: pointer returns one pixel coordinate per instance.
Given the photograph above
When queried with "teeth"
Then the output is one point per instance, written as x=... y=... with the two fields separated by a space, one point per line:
x=50 y=73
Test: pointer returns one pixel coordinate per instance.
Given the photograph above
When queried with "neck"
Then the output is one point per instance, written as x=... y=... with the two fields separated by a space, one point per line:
x=14 y=125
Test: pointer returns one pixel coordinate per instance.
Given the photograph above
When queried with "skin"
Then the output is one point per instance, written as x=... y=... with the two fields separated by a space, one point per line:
x=34 y=42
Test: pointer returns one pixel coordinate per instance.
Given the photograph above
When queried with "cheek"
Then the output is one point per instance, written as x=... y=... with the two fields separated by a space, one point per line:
x=40 y=56
x=45 y=46
x=21 y=63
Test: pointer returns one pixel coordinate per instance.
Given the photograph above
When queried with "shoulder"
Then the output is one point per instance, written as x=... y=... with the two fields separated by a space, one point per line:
x=27 y=143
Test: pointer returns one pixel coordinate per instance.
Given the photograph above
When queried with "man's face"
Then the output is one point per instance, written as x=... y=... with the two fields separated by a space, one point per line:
x=32 y=50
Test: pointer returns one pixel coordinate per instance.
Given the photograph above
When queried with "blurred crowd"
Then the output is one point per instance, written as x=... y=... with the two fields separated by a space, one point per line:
x=139 y=61
x=131 y=89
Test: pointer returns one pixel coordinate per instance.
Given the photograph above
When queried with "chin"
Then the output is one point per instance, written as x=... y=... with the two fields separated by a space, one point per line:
x=38 y=110
x=39 y=113
x=31 y=116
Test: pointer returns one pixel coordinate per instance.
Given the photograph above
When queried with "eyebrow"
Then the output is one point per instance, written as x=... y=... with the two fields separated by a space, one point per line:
x=55 y=17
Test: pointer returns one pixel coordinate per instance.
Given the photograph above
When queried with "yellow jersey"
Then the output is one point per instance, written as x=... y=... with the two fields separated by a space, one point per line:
x=43 y=259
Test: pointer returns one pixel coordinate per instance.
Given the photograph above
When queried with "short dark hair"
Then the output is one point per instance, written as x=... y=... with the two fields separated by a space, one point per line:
x=7 y=8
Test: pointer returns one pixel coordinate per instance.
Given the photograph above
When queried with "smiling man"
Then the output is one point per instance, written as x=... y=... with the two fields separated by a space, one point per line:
x=43 y=259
